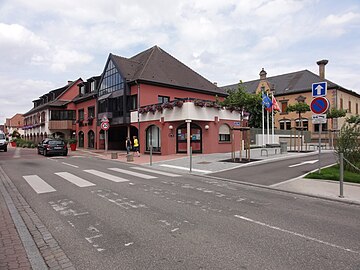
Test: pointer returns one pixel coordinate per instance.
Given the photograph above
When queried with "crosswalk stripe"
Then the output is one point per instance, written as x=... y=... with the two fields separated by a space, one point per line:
x=141 y=175
x=39 y=185
x=107 y=176
x=156 y=172
x=75 y=179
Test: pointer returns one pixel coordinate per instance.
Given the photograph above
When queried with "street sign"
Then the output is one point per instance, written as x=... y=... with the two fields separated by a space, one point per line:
x=319 y=105
x=104 y=119
x=105 y=125
x=319 y=119
x=319 y=89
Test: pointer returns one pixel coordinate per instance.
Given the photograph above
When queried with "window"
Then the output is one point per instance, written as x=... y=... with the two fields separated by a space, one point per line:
x=91 y=112
x=284 y=105
x=153 y=138
x=133 y=102
x=305 y=123
x=62 y=115
x=163 y=99
x=92 y=86
x=285 y=124
x=341 y=104
x=323 y=128
x=357 y=108
x=224 y=133
x=82 y=90
x=81 y=114
x=349 y=106
x=111 y=81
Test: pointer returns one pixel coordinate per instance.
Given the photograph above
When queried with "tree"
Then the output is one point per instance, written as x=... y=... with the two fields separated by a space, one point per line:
x=300 y=108
x=334 y=114
x=245 y=102
x=348 y=143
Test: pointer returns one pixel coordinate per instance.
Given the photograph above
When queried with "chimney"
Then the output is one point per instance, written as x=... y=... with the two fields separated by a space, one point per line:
x=70 y=82
x=215 y=83
x=262 y=74
x=322 y=64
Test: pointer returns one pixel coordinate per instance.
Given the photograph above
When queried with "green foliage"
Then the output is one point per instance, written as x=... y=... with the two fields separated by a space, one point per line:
x=71 y=141
x=244 y=101
x=299 y=107
x=15 y=134
x=354 y=119
x=24 y=143
x=333 y=173
x=335 y=113
x=348 y=143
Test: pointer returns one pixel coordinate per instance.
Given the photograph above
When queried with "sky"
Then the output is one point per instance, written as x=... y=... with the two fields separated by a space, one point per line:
x=44 y=44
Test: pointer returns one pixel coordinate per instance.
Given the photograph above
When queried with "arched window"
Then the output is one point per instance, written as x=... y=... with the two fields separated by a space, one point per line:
x=91 y=139
x=81 y=139
x=153 y=137
x=285 y=124
x=224 y=133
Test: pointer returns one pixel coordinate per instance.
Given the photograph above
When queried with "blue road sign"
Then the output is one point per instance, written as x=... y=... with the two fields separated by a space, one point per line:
x=319 y=89
x=319 y=105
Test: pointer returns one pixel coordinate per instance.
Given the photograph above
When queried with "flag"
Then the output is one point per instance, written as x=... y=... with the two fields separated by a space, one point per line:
x=275 y=105
x=266 y=101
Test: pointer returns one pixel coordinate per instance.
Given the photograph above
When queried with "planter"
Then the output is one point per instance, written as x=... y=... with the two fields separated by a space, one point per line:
x=13 y=144
x=73 y=146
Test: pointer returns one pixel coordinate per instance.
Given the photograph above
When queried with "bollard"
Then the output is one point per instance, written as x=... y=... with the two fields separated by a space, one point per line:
x=341 y=175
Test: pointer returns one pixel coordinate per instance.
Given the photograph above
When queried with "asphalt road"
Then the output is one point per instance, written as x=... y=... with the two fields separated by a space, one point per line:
x=182 y=222
x=277 y=171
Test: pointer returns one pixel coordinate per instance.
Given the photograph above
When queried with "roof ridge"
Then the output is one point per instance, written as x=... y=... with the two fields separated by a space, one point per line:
x=148 y=60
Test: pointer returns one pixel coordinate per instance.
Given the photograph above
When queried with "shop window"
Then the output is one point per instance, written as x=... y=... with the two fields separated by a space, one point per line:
x=224 y=133
x=81 y=139
x=153 y=138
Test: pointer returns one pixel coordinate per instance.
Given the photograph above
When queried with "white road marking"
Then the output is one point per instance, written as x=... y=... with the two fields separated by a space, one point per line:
x=141 y=175
x=156 y=172
x=185 y=168
x=39 y=185
x=128 y=244
x=303 y=163
x=107 y=176
x=71 y=165
x=297 y=234
x=75 y=179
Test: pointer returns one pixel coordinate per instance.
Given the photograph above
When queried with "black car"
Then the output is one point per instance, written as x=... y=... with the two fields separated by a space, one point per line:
x=52 y=146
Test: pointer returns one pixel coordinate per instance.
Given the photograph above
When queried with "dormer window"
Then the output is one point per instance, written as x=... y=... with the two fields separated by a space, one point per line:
x=92 y=86
x=82 y=90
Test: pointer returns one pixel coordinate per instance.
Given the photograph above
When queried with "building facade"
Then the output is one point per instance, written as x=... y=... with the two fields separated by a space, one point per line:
x=296 y=87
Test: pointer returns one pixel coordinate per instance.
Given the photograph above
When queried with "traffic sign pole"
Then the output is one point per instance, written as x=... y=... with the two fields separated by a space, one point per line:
x=106 y=140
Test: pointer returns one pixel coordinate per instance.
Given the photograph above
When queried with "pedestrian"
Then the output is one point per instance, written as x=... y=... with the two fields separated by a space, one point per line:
x=128 y=145
x=136 y=146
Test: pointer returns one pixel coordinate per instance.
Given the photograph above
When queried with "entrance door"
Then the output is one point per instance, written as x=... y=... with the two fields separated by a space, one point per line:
x=195 y=139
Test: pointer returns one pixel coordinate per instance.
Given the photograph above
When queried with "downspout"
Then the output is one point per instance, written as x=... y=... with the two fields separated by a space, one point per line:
x=138 y=107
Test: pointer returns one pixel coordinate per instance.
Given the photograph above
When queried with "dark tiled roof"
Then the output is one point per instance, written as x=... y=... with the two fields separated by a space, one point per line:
x=85 y=97
x=289 y=83
x=158 y=67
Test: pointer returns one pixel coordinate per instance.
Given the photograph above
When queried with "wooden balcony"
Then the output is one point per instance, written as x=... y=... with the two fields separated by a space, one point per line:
x=62 y=124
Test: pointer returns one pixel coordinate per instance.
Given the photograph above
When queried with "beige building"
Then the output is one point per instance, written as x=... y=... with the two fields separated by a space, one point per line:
x=296 y=87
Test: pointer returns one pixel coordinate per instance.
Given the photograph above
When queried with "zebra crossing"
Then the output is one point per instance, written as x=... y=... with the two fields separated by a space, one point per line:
x=40 y=186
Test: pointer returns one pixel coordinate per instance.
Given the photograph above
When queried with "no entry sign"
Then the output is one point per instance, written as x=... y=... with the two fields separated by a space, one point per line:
x=105 y=125
x=319 y=105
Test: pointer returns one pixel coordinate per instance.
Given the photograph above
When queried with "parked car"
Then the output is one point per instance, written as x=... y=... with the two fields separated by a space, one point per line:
x=52 y=147
x=3 y=142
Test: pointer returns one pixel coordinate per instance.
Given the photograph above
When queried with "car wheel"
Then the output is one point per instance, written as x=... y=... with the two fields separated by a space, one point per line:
x=65 y=153
x=38 y=151
x=45 y=152
x=5 y=150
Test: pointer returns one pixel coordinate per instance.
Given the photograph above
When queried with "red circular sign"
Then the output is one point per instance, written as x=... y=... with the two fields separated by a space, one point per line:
x=105 y=125
x=319 y=105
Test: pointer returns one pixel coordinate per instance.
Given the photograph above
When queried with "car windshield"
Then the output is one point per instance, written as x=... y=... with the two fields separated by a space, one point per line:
x=2 y=136
x=56 y=142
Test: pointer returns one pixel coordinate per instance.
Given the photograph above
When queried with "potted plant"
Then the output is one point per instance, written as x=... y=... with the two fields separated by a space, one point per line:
x=72 y=142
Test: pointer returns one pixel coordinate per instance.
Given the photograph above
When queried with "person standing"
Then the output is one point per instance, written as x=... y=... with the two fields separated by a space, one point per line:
x=136 y=146
x=128 y=145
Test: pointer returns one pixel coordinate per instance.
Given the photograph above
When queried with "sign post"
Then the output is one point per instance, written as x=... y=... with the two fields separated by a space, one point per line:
x=105 y=125
x=319 y=106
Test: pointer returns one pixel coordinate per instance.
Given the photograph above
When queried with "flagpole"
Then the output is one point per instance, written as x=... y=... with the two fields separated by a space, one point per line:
x=263 y=120
x=267 y=127
x=272 y=118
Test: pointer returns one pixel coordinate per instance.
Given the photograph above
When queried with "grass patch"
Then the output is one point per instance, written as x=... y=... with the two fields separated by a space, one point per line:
x=333 y=173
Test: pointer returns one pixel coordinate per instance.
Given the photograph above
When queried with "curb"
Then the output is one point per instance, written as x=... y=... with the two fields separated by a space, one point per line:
x=43 y=251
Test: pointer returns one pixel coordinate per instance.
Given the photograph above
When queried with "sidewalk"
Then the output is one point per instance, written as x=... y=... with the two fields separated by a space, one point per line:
x=203 y=164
